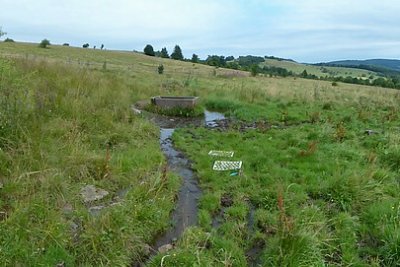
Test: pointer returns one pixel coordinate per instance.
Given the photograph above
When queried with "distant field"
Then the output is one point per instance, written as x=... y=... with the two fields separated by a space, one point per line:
x=320 y=180
x=320 y=71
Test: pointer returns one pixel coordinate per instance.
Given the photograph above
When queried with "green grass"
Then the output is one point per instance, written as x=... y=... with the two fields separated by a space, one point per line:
x=319 y=71
x=197 y=111
x=324 y=192
x=327 y=188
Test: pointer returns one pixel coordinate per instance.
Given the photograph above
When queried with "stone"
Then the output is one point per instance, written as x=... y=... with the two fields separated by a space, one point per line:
x=95 y=210
x=74 y=227
x=147 y=249
x=165 y=248
x=370 y=132
x=136 y=111
x=91 y=193
x=67 y=209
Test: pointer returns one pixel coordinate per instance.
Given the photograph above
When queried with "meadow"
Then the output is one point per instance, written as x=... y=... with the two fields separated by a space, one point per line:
x=319 y=71
x=319 y=185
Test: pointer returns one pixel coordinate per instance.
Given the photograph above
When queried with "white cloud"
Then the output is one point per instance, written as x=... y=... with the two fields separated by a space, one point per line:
x=308 y=30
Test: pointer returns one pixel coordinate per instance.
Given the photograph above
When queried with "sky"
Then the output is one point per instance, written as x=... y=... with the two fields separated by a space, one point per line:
x=304 y=30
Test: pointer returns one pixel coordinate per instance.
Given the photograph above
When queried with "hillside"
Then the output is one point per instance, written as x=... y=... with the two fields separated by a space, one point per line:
x=85 y=180
x=320 y=71
x=391 y=64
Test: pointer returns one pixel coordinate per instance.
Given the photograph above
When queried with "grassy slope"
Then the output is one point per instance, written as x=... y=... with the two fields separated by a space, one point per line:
x=61 y=110
x=317 y=70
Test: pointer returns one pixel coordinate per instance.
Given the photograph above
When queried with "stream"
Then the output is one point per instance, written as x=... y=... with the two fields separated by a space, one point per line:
x=185 y=213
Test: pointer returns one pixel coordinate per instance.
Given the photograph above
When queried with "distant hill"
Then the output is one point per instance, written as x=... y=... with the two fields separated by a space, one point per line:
x=320 y=70
x=384 y=66
x=393 y=64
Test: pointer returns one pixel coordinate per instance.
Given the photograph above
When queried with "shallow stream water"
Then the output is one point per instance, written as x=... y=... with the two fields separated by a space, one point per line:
x=185 y=212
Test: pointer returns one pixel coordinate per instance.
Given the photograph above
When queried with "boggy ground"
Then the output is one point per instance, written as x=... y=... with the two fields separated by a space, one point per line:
x=323 y=191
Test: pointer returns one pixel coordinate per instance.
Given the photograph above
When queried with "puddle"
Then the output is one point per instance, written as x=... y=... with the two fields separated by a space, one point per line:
x=212 y=118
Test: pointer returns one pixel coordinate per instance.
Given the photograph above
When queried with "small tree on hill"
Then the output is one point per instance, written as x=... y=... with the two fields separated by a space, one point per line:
x=177 y=54
x=195 y=58
x=160 y=69
x=148 y=50
x=164 y=53
x=254 y=70
x=85 y=45
x=44 y=43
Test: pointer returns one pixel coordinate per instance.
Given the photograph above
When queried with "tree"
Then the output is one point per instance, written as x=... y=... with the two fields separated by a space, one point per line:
x=304 y=74
x=164 y=53
x=85 y=45
x=254 y=70
x=195 y=58
x=217 y=61
x=44 y=43
x=148 y=50
x=102 y=46
x=177 y=54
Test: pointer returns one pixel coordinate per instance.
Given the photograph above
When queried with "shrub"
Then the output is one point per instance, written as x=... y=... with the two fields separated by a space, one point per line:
x=161 y=69
x=9 y=40
x=85 y=45
x=254 y=70
x=65 y=44
x=44 y=43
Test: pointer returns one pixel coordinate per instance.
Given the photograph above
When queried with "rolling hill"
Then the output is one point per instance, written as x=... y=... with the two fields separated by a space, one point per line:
x=319 y=71
x=392 y=64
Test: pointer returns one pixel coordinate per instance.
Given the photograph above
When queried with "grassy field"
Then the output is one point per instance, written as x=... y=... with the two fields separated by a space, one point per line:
x=315 y=189
x=320 y=71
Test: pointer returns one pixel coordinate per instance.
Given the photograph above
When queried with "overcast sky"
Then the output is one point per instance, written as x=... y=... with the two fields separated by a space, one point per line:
x=304 y=30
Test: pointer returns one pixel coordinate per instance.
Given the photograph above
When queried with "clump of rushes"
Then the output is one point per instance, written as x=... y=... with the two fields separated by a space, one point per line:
x=340 y=132
x=197 y=111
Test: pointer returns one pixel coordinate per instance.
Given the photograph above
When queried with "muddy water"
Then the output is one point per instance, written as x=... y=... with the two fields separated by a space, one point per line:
x=212 y=118
x=185 y=213
x=254 y=252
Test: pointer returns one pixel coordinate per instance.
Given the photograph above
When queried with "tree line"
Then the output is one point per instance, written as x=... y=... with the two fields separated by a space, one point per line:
x=176 y=54
x=252 y=64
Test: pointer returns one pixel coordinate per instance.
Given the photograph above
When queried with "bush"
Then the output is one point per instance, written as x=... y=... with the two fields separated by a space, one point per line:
x=161 y=69
x=9 y=40
x=44 y=43
x=65 y=44
x=85 y=45
x=197 y=111
x=254 y=70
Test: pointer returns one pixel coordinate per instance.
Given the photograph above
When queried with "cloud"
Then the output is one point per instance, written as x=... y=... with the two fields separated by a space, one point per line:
x=307 y=30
